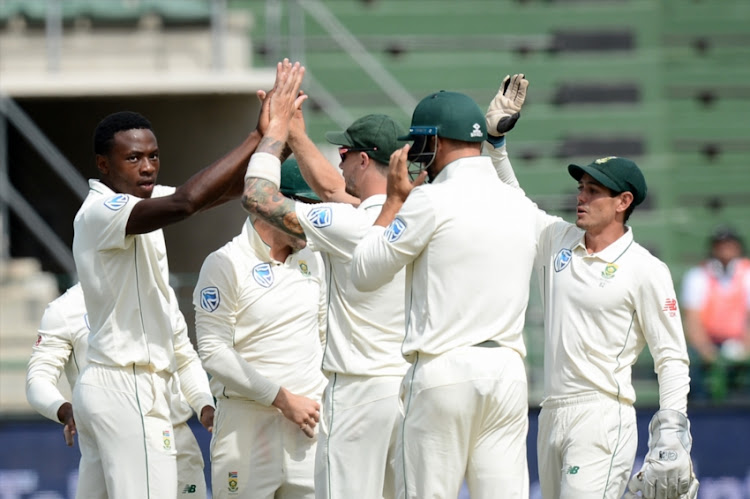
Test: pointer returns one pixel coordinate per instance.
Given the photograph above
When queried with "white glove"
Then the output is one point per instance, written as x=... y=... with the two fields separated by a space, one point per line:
x=636 y=485
x=667 y=472
x=505 y=108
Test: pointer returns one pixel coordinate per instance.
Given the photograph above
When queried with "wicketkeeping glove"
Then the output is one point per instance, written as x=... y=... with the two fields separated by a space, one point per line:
x=505 y=108
x=667 y=472
x=636 y=485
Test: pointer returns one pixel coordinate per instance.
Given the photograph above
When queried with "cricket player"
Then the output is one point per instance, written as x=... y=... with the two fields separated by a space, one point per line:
x=122 y=397
x=362 y=358
x=467 y=241
x=605 y=297
x=61 y=347
x=260 y=313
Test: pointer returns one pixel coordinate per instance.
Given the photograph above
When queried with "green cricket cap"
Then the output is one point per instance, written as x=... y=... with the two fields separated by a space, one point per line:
x=617 y=174
x=292 y=182
x=376 y=134
x=452 y=115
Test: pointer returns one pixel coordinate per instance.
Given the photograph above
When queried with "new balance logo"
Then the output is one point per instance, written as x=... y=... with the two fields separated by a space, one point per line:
x=189 y=489
x=571 y=470
x=670 y=307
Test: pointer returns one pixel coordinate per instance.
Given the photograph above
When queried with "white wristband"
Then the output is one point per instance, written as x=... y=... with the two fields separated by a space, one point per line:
x=266 y=166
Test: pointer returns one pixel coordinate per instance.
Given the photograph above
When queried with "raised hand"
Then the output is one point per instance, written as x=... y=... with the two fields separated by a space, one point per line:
x=505 y=108
x=287 y=98
x=399 y=181
x=265 y=110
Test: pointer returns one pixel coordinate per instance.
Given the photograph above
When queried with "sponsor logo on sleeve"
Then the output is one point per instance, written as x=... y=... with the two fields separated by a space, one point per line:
x=320 y=217
x=263 y=274
x=670 y=307
x=395 y=230
x=210 y=298
x=116 y=202
x=562 y=259
x=38 y=340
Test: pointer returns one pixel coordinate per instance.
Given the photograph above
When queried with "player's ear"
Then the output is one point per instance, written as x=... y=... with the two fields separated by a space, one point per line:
x=364 y=160
x=102 y=164
x=626 y=199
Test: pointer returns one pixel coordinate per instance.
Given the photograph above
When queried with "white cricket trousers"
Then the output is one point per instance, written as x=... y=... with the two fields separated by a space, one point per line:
x=258 y=453
x=122 y=418
x=465 y=416
x=357 y=441
x=191 y=480
x=586 y=447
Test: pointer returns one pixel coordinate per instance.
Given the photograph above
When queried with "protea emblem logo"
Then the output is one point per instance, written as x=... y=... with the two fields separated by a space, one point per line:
x=609 y=271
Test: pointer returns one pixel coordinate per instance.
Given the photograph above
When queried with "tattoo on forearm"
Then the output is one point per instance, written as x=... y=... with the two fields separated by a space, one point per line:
x=262 y=198
x=271 y=146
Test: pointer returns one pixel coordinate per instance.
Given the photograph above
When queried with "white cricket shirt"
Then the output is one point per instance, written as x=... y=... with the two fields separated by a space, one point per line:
x=468 y=242
x=600 y=311
x=60 y=347
x=365 y=329
x=259 y=321
x=125 y=281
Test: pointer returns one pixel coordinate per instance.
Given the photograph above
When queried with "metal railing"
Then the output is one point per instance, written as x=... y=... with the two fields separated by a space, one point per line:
x=10 y=199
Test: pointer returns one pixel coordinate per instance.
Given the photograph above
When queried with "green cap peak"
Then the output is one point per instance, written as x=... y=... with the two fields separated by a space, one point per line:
x=617 y=174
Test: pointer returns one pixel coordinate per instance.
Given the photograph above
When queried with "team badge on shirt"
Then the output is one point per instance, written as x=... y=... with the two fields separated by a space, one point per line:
x=562 y=259
x=116 y=202
x=167 y=438
x=232 y=484
x=394 y=230
x=609 y=271
x=304 y=268
x=320 y=217
x=210 y=298
x=263 y=274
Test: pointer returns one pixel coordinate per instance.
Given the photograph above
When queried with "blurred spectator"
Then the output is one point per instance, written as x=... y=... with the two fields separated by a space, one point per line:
x=716 y=304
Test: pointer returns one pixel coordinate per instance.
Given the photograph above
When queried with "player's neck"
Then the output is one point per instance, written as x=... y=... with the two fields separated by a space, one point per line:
x=599 y=239
x=374 y=183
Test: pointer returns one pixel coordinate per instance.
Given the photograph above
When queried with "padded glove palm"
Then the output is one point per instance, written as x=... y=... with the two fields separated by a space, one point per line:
x=505 y=108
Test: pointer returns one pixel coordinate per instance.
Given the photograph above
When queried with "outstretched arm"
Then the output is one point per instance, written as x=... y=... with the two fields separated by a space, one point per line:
x=209 y=187
x=501 y=117
x=323 y=177
x=261 y=196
